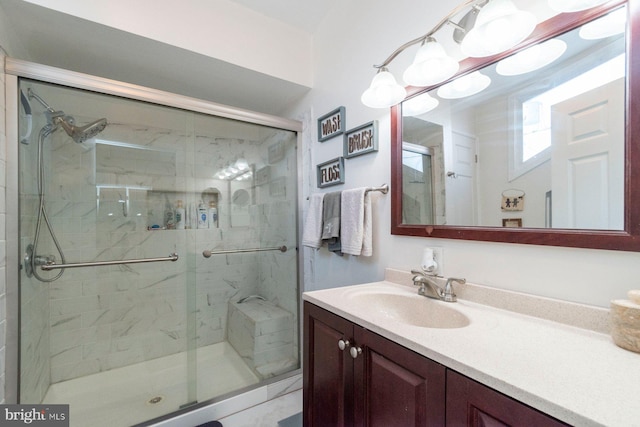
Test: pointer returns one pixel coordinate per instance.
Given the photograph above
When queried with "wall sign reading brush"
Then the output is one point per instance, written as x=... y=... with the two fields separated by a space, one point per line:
x=361 y=140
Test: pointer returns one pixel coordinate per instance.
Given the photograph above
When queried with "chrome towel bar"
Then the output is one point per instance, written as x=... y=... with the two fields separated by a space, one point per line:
x=53 y=265
x=208 y=252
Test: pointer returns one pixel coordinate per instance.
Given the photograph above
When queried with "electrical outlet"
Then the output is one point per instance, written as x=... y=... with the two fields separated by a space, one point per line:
x=439 y=258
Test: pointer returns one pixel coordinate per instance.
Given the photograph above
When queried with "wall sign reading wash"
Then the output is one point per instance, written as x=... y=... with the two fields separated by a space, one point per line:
x=331 y=124
x=331 y=172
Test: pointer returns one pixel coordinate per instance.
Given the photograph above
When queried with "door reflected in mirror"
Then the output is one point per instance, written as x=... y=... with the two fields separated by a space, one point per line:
x=555 y=133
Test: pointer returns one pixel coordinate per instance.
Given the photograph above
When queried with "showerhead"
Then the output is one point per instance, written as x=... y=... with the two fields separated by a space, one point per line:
x=78 y=134
x=82 y=133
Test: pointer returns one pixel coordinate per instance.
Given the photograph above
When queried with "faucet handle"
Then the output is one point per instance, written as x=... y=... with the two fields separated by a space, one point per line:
x=449 y=295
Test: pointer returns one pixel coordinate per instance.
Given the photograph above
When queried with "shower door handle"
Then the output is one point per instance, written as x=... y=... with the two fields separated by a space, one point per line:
x=208 y=252
x=53 y=266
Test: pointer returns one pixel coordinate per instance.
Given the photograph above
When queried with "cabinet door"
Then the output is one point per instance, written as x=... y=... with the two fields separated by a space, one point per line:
x=327 y=370
x=470 y=403
x=395 y=386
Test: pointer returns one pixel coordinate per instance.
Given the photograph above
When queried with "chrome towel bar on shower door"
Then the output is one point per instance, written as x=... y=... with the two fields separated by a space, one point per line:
x=208 y=252
x=53 y=265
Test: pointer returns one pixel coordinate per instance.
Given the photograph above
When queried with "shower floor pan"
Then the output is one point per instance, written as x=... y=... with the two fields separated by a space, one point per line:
x=143 y=391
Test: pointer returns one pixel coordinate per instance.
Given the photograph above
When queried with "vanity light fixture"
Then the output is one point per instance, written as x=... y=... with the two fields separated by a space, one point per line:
x=488 y=27
x=609 y=25
x=574 y=5
x=419 y=105
x=465 y=86
x=532 y=58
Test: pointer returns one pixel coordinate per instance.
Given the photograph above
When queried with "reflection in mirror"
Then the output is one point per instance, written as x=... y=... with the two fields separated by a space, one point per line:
x=422 y=172
x=547 y=123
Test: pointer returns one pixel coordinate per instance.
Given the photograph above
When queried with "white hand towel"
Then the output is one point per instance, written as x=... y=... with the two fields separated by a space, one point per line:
x=355 y=222
x=367 y=238
x=312 y=232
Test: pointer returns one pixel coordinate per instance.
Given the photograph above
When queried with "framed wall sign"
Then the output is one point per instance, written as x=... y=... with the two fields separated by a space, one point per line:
x=361 y=140
x=331 y=124
x=331 y=172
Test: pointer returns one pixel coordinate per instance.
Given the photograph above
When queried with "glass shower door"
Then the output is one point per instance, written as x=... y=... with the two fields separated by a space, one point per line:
x=112 y=341
x=246 y=258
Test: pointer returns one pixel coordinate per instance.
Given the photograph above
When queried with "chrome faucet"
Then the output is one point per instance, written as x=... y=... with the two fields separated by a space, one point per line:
x=430 y=289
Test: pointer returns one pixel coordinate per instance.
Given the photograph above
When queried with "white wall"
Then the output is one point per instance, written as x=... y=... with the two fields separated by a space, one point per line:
x=360 y=33
x=220 y=29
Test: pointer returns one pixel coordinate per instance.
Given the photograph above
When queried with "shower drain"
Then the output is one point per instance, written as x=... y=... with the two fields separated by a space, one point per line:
x=155 y=400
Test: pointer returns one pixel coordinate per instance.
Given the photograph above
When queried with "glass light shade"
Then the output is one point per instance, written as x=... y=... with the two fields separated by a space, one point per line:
x=533 y=58
x=242 y=164
x=609 y=25
x=384 y=91
x=499 y=27
x=574 y=5
x=419 y=105
x=465 y=86
x=431 y=65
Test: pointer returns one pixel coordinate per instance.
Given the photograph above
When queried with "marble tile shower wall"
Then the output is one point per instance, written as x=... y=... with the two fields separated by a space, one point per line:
x=106 y=317
x=35 y=369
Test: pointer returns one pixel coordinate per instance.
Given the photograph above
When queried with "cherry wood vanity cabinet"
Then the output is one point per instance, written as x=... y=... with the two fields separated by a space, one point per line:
x=472 y=404
x=354 y=377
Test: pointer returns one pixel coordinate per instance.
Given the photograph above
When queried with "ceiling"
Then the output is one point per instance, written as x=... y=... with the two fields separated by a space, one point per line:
x=60 y=40
x=304 y=14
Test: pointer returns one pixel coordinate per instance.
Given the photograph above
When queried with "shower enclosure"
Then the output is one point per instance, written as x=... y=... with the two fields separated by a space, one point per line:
x=157 y=239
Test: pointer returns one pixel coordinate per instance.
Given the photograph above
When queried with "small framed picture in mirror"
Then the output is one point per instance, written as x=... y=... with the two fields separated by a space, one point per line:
x=512 y=222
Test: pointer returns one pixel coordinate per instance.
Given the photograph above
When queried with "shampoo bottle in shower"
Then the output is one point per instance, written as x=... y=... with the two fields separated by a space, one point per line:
x=213 y=215
x=202 y=215
x=180 y=218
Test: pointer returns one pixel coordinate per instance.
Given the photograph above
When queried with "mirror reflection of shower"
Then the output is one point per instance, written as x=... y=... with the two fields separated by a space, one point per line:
x=56 y=119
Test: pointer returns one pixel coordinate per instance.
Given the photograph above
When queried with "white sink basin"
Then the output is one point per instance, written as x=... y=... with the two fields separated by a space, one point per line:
x=412 y=310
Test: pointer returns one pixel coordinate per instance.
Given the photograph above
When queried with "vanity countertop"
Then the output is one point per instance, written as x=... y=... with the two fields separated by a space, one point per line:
x=577 y=375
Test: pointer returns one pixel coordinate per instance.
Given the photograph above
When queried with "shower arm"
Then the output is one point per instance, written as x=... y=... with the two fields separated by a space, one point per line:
x=33 y=95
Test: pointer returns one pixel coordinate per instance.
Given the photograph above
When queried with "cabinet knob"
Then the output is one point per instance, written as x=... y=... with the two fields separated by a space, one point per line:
x=355 y=351
x=342 y=344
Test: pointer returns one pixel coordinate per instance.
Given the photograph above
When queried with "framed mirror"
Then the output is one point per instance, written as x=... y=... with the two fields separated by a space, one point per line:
x=507 y=153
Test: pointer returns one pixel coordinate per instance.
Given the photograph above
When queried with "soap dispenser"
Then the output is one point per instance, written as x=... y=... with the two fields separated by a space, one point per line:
x=428 y=264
